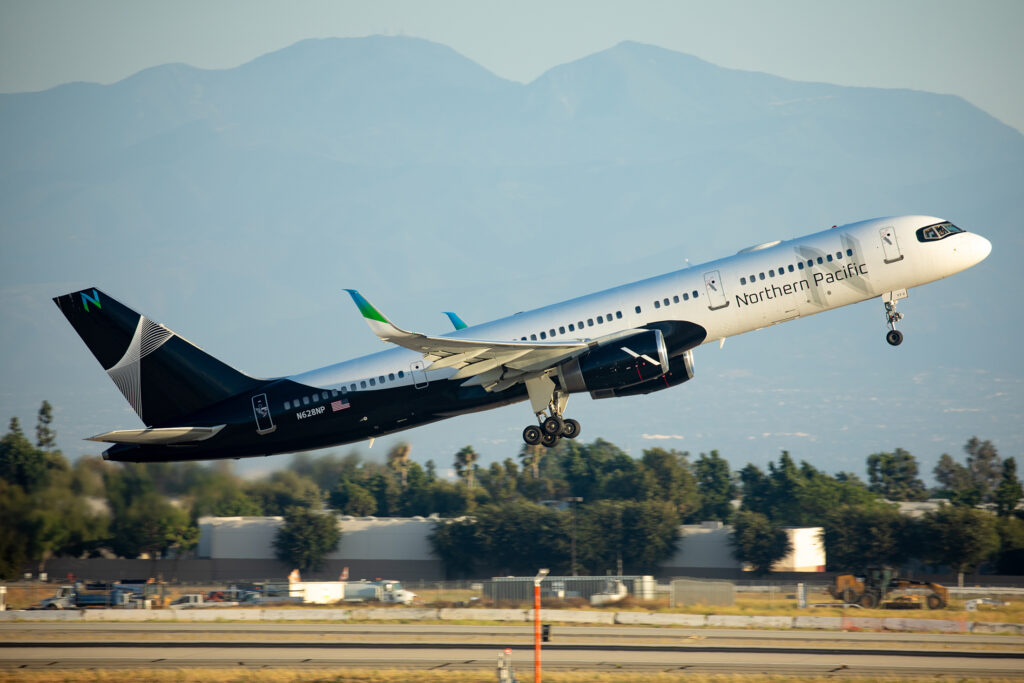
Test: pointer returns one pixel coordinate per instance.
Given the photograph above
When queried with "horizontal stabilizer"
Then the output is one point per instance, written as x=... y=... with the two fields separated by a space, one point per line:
x=163 y=435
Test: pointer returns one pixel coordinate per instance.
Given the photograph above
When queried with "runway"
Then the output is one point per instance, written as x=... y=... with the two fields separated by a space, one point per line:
x=453 y=647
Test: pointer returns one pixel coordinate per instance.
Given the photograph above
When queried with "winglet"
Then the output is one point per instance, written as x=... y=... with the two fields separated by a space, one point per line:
x=457 y=322
x=381 y=326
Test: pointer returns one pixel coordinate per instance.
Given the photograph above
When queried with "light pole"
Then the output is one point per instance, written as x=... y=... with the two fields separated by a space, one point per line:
x=536 y=623
x=572 y=502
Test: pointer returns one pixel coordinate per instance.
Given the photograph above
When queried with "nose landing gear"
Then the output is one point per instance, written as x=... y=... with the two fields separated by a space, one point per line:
x=894 y=337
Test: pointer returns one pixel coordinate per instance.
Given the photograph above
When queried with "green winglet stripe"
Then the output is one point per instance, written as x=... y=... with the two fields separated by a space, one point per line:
x=456 y=320
x=366 y=308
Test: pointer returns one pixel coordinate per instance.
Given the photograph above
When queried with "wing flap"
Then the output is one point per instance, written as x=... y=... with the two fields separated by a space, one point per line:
x=158 y=436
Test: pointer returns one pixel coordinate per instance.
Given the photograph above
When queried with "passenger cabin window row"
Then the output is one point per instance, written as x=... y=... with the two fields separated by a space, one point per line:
x=318 y=397
x=574 y=327
x=800 y=265
x=674 y=300
x=937 y=232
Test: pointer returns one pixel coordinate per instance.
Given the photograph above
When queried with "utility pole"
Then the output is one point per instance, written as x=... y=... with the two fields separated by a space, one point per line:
x=536 y=623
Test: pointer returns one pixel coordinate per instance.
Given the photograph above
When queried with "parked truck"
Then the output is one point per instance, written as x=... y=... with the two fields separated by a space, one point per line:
x=198 y=600
x=92 y=595
x=390 y=592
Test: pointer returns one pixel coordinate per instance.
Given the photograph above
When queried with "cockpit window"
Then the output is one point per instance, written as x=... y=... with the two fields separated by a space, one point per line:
x=937 y=232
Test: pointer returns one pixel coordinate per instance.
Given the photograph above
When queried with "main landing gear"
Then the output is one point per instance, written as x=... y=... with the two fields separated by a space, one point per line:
x=893 y=336
x=552 y=427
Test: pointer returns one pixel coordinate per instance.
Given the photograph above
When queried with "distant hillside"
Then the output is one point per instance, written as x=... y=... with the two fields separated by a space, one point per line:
x=234 y=205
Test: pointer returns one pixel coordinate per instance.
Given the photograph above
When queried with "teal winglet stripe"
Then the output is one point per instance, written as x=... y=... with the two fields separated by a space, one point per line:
x=365 y=307
x=456 y=320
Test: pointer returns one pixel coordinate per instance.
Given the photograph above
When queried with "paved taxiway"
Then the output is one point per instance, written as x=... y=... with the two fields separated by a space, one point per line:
x=158 y=645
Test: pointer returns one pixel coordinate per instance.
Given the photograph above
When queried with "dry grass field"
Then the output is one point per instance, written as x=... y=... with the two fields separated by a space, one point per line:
x=402 y=676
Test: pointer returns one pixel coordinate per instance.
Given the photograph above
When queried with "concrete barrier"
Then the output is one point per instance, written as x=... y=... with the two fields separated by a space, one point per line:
x=395 y=614
x=41 y=615
x=125 y=614
x=468 y=614
x=771 y=622
x=913 y=624
x=862 y=623
x=573 y=616
x=660 y=619
x=218 y=614
x=729 y=620
x=995 y=627
x=824 y=623
x=279 y=614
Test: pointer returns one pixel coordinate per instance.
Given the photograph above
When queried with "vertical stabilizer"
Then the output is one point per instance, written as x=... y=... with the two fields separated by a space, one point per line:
x=161 y=375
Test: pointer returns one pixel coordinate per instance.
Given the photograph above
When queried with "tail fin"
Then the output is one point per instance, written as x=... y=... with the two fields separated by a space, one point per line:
x=163 y=376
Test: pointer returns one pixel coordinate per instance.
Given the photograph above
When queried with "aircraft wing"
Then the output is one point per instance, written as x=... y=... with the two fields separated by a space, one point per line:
x=495 y=365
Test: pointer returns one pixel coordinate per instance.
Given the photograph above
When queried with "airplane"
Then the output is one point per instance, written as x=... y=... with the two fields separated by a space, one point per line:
x=626 y=341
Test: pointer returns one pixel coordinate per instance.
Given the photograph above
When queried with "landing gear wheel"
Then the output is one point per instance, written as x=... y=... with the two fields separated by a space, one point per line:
x=570 y=429
x=532 y=435
x=549 y=440
x=894 y=337
x=868 y=601
x=553 y=426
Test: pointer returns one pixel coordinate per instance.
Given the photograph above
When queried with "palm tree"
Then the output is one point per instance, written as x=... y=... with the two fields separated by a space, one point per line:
x=465 y=463
x=398 y=460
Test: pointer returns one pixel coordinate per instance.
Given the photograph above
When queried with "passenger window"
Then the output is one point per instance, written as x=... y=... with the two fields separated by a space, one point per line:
x=810 y=263
x=686 y=297
x=609 y=316
x=600 y=319
x=305 y=400
x=287 y=405
x=391 y=376
x=657 y=304
x=543 y=335
x=533 y=337
x=401 y=374
x=618 y=315
x=760 y=276
x=551 y=332
x=373 y=382
x=572 y=328
x=820 y=260
x=352 y=386
x=590 y=322
x=829 y=257
x=771 y=273
x=381 y=379
x=695 y=294
x=362 y=383
x=561 y=330
x=666 y=301
x=675 y=299
x=800 y=265
x=334 y=392
x=849 y=252
x=790 y=267
x=324 y=396
x=637 y=309
x=839 y=255
x=743 y=280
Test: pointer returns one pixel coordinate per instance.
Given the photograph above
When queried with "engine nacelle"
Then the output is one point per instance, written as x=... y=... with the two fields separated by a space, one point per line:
x=619 y=363
x=680 y=369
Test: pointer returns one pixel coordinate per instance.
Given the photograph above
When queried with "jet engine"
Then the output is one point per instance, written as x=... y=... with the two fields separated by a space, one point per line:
x=680 y=369
x=619 y=363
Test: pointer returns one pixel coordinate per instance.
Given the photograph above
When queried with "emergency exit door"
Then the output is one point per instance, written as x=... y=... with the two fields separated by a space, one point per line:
x=890 y=245
x=715 y=290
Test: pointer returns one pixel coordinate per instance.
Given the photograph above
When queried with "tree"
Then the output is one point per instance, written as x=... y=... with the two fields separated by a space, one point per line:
x=531 y=457
x=894 y=476
x=15 y=532
x=959 y=536
x=349 y=498
x=20 y=463
x=282 y=490
x=756 y=542
x=955 y=482
x=306 y=538
x=1011 y=545
x=716 y=486
x=1009 y=492
x=861 y=536
x=151 y=524
x=46 y=438
x=465 y=464
x=984 y=465
x=638 y=536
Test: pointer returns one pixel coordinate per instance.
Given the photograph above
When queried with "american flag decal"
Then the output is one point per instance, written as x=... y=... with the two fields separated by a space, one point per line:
x=339 y=405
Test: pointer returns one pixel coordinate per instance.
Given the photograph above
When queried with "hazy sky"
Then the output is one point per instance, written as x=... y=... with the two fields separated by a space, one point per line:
x=969 y=48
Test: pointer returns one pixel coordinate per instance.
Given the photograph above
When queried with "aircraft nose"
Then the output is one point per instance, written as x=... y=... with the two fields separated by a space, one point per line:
x=982 y=248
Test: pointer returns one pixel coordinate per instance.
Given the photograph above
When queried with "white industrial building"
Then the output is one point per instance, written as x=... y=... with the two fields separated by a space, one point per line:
x=399 y=548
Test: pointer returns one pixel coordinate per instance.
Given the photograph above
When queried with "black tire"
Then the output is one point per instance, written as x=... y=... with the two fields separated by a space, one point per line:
x=894 y=337
x=935 y=601
x=553 y=425
x=532 y=435
x=849 y=596
x=549 y=440
x=868 y=601
x=570 y=429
